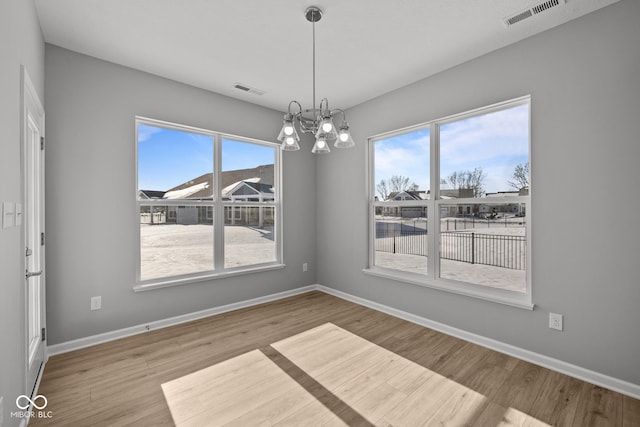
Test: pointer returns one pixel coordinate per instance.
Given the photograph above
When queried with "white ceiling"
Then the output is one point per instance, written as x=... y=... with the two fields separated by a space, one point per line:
x=364 y=48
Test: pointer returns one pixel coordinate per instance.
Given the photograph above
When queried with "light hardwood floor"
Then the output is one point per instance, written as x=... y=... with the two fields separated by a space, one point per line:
x=314 y=359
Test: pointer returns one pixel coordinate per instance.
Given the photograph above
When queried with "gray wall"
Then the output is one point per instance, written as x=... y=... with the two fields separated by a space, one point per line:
x=91 y=226
x=584 y=79
x=21 y=43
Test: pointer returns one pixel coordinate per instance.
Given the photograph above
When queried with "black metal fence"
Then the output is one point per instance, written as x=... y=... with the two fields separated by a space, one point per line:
x=409 y=237
x=410 y=244
x=497 y=250
x=453 y=224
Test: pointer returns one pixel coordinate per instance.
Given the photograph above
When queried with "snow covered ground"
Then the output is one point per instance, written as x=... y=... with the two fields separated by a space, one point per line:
x=497 y=277
x=486 y=275
x=174 y=249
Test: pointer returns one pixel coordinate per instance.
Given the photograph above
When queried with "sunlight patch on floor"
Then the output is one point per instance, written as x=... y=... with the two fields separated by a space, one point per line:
x=247 y=390
x=383 y=387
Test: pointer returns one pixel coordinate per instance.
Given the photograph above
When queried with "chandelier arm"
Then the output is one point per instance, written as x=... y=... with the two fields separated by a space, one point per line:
x=338 y=111
x=299 y=108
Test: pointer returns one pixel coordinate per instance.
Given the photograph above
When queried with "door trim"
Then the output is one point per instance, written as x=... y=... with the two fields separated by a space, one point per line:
x=30 y=102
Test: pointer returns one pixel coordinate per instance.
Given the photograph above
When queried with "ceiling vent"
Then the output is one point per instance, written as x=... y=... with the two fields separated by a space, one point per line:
x=533 y=10
x=243 y=87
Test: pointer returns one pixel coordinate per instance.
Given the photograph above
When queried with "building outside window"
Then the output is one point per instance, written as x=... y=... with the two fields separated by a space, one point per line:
x=449 y=202
x=208 y=204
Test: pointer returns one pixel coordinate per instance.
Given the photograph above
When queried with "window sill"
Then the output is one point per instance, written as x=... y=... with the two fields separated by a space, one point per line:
x=514 y=299
x=168 y=282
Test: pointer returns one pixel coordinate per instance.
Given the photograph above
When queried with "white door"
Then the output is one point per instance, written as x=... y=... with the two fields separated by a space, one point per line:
x=33 y=178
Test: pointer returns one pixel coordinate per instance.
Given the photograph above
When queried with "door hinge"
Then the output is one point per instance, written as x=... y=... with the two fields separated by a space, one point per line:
x=41 y=239
x=44 y=334
x=42 y=142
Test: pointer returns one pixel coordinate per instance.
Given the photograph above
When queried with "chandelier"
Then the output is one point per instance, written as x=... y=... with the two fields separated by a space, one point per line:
x=319 y=121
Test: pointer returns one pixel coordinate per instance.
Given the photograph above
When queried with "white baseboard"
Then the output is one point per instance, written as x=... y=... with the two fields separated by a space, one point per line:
x=158 y=324
x=615 y=384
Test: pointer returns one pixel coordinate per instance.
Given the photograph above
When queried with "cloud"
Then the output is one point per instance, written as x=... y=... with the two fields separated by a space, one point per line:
x=495 y=141
x=406 y=155
x=145 y=132
x=484 y=138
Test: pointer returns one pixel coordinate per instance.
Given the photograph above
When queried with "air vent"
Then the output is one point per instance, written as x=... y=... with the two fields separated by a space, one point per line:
x=545 y=6
x=519 y=17
x=243 y=87
x=533 y=10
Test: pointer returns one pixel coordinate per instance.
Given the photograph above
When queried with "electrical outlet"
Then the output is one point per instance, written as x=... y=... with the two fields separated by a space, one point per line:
x=96 y=303
x=305 y=267
x=555 y=321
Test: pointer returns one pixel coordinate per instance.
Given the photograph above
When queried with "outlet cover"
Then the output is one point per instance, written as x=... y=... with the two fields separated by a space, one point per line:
x=555 y=321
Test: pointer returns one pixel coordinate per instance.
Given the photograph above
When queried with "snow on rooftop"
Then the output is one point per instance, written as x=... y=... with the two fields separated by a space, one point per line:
x=186 y=192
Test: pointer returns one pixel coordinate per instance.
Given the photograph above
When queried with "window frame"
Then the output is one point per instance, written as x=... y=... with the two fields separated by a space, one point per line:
x=217 y=205
x=432 y=279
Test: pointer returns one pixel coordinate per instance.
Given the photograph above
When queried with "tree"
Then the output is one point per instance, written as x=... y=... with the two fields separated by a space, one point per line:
x=469 y=179
x=520 y=176
x=395 y=184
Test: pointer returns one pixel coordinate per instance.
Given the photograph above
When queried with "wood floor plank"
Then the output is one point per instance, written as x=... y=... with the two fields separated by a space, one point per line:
x=392 y=371
x=349 y=368
x=420 y=405
x=278 y=408
x=522 y=387
x=598 y=407
x=461 y=408
x=312 y=414
x=557 y=403
x=631 y=412
x=498 y=416
x=378 y=402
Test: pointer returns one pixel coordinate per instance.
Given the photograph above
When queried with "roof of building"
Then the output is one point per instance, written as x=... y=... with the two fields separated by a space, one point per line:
x=261 y=178
x=151 y=194
x=256 y=187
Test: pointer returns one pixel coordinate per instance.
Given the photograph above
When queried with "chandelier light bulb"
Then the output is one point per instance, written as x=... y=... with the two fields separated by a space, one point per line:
x=344 y=137
x=321 y=143
x=290 y=140
x=327 y=127
x=288 y=130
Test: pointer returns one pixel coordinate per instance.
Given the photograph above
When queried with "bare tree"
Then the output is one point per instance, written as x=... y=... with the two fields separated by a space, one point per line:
x=383 y=189
x=520 y=176
x=395 y=184
x=469 y=179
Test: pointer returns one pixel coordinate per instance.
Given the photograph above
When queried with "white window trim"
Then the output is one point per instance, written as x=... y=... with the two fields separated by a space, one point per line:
x=431 y=279
x=218 y=205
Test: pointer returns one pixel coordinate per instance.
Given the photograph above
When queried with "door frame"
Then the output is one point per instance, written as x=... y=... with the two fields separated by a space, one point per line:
x=31 y=104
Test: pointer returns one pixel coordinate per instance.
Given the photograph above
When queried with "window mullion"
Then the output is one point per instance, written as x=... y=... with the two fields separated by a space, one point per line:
x=218 y=207
x=433 y=219
x=370 y=172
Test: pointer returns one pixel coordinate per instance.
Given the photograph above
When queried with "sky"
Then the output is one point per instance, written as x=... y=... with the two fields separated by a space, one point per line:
x=496 y=142
x=169 y=157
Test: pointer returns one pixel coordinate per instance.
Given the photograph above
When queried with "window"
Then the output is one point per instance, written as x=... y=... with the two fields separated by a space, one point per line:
x=449 y=202
x=207 y=204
